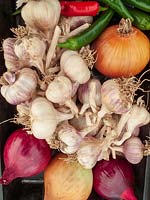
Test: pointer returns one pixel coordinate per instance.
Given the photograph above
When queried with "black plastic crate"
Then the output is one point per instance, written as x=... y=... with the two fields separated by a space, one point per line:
x=33 y=188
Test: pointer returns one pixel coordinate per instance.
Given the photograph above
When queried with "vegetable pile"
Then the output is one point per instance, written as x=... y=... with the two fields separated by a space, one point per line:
x=62 y=106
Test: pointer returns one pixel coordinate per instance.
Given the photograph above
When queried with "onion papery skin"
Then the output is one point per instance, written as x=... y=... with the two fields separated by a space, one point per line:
x=114 y=179
x=121 y=56
x=24 y=156
x=67 y=180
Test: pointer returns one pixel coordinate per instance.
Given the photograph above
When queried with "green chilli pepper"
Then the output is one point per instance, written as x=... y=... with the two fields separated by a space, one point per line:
x=119 y=7
x=141 y=19
x=90 y=34
x=141 y=4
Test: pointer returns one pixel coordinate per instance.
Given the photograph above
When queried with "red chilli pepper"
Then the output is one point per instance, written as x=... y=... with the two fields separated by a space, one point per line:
x=77 y=8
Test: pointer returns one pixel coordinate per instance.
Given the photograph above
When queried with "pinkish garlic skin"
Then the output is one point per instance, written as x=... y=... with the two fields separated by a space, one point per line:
x=111 y=98
x=133 y=150
x=136 y=132
x=11 y=60
x=84 y=92
x=22 y=89
x=70 y=137
x=77 y=21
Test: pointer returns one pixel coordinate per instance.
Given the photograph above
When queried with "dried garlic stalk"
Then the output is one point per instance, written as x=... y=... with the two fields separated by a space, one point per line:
x=88 y=55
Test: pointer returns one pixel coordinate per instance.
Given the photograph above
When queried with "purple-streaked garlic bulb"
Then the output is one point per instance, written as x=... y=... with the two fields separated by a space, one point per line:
x=21 y=86
x=12 y=62
x=89 y=95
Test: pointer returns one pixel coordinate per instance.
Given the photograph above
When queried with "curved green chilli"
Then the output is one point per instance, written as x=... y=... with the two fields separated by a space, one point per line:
x=90 y=34
x=141 y=4
x=141 y=19
x=119 y=7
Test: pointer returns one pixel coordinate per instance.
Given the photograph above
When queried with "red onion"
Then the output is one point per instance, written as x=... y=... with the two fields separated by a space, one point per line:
x=24 y=156
x=114 y=179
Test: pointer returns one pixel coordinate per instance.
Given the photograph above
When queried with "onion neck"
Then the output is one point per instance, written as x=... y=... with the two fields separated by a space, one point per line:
x=8 y=176
x=128 y=194
x=125 y=27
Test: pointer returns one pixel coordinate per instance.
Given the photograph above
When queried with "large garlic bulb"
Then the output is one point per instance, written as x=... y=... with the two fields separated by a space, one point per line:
x=21 y=86
x=31 y=49
x=45 y=118
x=43 y=14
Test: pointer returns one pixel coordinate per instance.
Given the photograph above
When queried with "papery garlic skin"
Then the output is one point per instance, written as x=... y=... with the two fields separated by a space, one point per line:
x=68 y=135
x=73 y=65
x=88 y=153
x=22 y=89
x=31 y=49
x=77 y=21
x=45 y=118
x=43 y=14
x=60 y=91
x=11 y=60
x=89 y=95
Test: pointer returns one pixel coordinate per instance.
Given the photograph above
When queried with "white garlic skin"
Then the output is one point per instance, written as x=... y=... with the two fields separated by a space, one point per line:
x=45 y=118
x=88 y=153
x=43 y=14
x=73 y=65
x=11 y=60
x=22 y=89
x=59 y=90
x=31 y=50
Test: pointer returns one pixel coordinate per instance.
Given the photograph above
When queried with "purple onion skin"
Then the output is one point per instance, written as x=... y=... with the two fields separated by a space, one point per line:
x=113 y=178
x=24 y=156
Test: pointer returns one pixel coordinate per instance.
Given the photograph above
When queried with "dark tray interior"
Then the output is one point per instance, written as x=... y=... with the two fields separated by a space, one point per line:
x=33 y=188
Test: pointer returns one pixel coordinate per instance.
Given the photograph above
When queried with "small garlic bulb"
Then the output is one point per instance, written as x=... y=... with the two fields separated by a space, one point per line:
x=33 y=49
x=60 y=91
x=21 y=86
x=42 y=14
x=69 y=136
x=88 y=153
x=73 y=65
x=11 y=60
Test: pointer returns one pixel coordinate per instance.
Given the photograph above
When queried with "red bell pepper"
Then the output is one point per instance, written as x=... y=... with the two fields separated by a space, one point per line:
x=80 y=8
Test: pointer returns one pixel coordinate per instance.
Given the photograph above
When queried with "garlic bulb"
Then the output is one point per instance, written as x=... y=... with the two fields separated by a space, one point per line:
x=45 y=118
x=11 y=60
x=21 y=86
x=31 y=49
x=73 y=65
x=88 y=153
x=69 y=136
x=89 y=95
x=42 y=14
x=60 y=91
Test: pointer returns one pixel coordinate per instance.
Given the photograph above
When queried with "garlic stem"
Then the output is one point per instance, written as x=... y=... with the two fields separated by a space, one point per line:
x=92 y=96
x=84 y=108
x=75 y=32
x=53 y=45
x=71 y=104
